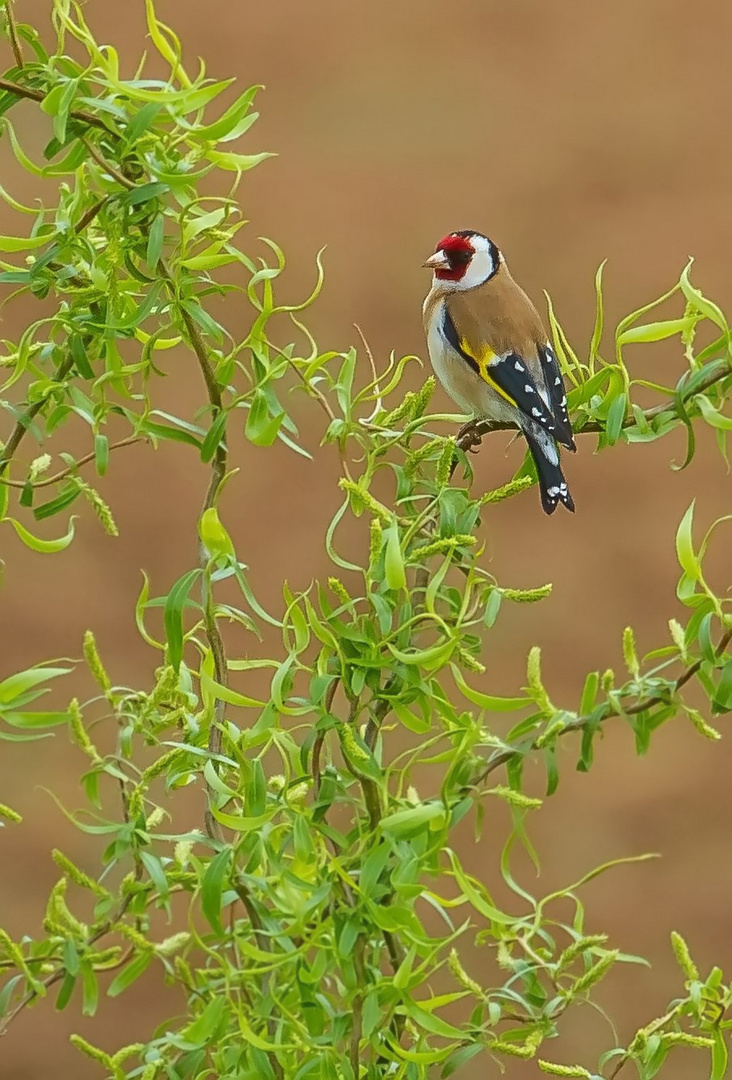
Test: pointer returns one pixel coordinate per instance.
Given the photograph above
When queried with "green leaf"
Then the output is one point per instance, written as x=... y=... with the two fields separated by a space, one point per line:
x=19 y=684
x=43 y=546
x=684 y=546
x=144 y=193
x=719 y=1056
x=656 y=331
x=128 y=974
x=406 y=822
x=223 y=129
x=173 y=616
x=262 y=428
x=212 y=887
x=213 y=535
x=615 y=418
x=394 y=571
x=203 y=1029
x=487 y=701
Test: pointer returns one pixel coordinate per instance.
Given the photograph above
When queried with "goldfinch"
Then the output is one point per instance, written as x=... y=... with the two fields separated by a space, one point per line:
x=490 y=351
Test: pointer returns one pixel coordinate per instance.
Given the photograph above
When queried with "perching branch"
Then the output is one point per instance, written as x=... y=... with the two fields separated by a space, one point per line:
x=40 y=95
x=607 y=713
x=472 y=434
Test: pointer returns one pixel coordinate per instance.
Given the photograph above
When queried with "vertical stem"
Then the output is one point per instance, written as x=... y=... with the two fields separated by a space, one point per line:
x=13 y=34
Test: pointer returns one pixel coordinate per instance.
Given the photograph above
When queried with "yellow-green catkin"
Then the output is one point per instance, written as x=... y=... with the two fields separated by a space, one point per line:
x=12 y=951
x=376 y=540
x=126 y=1052
x=462 y=976
x=78 y=876
x=580 y=946
x=173 y=944
x=533 y=675
x=9 y=814
x=683 y=1038
x=340 y=590
x=630 y=654
x=701 y=725
x=515 y=798
x=469 y=661
x=38 y=466
x=595 y=973
x=361 y=500
x=507 y=490
x=683 y=957
x=94 y=662
x=607 y=680
x=79 y=732
x=351 y=746
x=59 y=917
x=133 y=936
x=444 y=465
x=158 y=767
x=100 y=507
x=416 y=457
x=678 y=636
x=553 y=1069
x=526 y=1049
x=92 y=1052
x=101 y=959
x=403 y=411
x=422 y=397
x=527 y=596
x=441 y=546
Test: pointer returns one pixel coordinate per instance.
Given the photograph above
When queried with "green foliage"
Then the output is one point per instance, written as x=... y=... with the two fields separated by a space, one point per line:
x=307 y=951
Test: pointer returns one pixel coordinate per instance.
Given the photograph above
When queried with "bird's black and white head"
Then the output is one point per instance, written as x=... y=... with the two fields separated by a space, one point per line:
x=464 y=260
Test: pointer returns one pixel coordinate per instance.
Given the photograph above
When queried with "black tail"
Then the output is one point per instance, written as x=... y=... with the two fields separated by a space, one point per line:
x=552 y=485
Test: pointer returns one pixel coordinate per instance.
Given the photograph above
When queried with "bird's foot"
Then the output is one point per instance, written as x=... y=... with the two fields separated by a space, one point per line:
x=469 y=436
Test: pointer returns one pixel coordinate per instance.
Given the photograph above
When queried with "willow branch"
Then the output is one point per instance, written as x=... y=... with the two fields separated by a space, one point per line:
x=218 y=472
x=13 y=34
x=24 y=422
x=718 y=370
x=57 y=477
x=607 y=713
x=264 y=944
x=40 y=95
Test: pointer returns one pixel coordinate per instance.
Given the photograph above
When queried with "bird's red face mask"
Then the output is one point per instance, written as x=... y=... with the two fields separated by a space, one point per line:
x=451 y=258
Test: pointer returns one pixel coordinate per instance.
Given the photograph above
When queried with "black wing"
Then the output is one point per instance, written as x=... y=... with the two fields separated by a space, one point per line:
x=508 y=375
x=557 y=396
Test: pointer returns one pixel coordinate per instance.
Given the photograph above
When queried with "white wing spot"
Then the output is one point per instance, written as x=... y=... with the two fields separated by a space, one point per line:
x=529 y=388
x=564 y=400
x=536 y=412
x=519 y=366
x=553 y=491
x=558 y=380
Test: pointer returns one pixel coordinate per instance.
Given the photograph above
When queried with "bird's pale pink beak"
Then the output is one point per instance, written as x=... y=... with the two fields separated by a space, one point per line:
x=438 y=261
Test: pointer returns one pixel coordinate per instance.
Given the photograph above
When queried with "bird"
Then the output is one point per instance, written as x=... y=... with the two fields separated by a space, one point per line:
x=489 y=349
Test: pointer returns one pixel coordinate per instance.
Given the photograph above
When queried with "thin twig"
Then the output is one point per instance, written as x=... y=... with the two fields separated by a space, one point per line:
x=77 y=464
x=581 y=721
x=40 y=95
x=108 y=167
x=13 y=34
x=264 y=944
x=25 y=421
x=718 y=370
x=218 y=472
x=320 y=737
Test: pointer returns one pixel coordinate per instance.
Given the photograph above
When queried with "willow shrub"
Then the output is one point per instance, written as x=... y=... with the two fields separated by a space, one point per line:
x=322 y=893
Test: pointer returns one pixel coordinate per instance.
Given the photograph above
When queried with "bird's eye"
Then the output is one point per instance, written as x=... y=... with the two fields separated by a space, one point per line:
x=461 y=257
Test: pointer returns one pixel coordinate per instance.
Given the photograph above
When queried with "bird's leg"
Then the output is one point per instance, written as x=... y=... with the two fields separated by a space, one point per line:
x=469 y=436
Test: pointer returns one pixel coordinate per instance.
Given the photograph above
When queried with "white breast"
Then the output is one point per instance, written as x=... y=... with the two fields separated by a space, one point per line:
x=465 y=386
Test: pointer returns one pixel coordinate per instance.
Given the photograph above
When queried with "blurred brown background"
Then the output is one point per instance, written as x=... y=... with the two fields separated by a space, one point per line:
x=570 y=132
